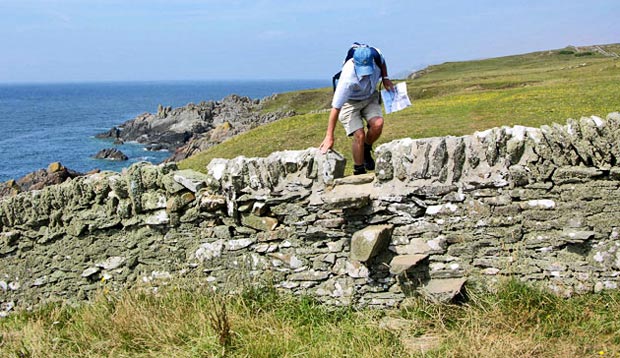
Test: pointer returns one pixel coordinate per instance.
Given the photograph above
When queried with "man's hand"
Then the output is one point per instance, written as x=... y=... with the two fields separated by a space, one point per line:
x=327 y=144
x=388 y=84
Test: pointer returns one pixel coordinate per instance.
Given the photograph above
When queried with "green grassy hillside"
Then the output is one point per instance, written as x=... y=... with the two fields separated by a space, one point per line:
x=454 y=98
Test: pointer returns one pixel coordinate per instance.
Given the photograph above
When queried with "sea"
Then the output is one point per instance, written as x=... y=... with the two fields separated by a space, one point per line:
x=57 y=122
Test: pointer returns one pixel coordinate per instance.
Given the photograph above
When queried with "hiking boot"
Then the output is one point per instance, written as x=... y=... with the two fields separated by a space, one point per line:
x=359 y=169
x=369 y=163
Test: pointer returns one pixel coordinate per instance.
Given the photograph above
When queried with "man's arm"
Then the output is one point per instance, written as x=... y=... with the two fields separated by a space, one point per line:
x=380 y=62
x=328 y=142
x=385 y=78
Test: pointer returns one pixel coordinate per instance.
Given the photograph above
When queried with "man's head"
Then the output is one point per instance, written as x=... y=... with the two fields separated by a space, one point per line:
x=363 y=61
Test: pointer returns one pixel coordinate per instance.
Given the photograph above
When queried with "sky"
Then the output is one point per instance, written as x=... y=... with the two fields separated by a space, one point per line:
x=152 y=40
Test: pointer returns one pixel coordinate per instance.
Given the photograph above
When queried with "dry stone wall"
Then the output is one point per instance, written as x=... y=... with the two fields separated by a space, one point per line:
x=540 y=204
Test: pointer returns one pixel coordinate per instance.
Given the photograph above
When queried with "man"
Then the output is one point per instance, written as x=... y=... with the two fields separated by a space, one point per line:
x=356 y=99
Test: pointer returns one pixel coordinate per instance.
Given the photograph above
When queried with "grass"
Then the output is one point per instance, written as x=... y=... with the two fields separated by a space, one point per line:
x=301 y=102
x=178 y=322
x=514 y=321
x=522 y=321
x=455 y=98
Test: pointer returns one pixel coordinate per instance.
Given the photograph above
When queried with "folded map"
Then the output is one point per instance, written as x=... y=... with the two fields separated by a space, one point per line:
x=397 y=99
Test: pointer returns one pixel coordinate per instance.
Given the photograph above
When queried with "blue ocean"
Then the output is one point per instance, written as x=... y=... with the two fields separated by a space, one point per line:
x=45 y=123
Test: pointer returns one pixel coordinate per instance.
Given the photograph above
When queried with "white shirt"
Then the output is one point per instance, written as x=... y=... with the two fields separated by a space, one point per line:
x=352 y=87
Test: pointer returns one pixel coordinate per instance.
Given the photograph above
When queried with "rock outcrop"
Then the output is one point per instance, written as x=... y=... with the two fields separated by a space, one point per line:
x=193 y=128
x=55 y=173
x=441 y=214
x=111 y=154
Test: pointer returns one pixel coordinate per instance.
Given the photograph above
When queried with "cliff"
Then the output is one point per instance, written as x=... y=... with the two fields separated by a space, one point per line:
x=540 y=204
x=194 y=127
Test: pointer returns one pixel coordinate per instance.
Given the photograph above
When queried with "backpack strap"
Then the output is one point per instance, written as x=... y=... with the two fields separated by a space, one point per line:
x=335 y=79
x=347 y=58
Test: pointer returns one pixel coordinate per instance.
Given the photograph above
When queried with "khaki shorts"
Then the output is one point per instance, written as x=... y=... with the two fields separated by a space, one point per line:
x=352 y=113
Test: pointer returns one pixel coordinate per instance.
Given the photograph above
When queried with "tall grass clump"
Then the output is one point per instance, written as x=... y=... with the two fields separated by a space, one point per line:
x=185 y=321
x=520 y=320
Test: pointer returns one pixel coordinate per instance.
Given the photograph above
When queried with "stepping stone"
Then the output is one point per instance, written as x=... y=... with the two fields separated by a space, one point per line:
x=356 y=179
x=348 y=196
x=368 y=242
x=443 y=290
x=403 y=263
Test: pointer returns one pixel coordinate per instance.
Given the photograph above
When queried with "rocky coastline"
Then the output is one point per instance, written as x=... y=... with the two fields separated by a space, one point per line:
x=187 y=130
x=183 y=131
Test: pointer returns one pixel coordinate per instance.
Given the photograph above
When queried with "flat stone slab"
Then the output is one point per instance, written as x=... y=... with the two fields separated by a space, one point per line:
x=575 y=174
x=191 y=179
x=90 y=271
x=443 y=290
x=356 y=179
x=348 y=196
x=403 y=263
x=111 y=263
x=310 y=275
x=263 y=223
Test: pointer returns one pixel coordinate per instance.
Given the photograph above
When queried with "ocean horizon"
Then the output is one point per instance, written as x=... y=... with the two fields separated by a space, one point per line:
x=44 y=123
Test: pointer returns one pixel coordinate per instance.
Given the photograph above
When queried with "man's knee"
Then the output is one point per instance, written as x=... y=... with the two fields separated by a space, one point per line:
x=376 y=123
x=359 y=134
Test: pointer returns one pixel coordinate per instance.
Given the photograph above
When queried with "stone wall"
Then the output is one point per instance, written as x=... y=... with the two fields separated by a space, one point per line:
x=539 y=204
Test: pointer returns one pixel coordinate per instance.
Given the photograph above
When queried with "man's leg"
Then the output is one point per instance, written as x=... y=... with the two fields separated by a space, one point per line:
x=374 y=117
x=357 y=146
x=375 y=127
x=357 y=149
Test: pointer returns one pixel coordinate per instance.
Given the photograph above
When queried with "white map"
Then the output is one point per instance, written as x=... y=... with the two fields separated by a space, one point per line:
x=396 y=100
